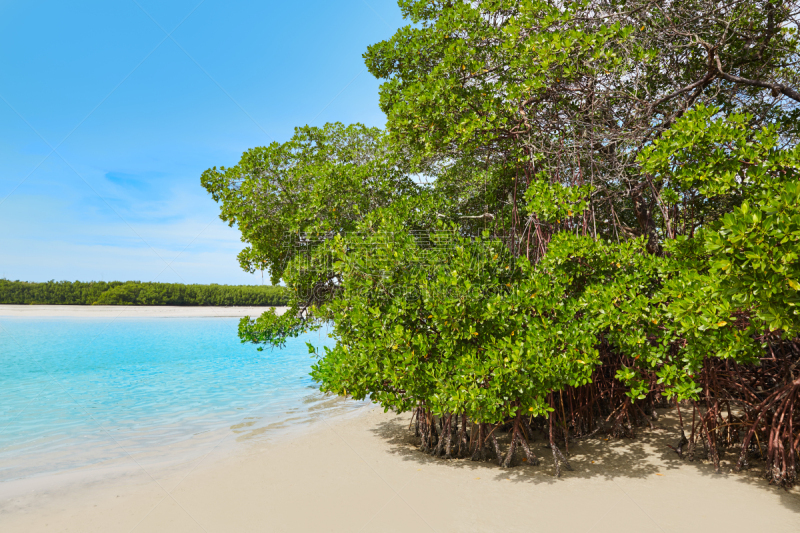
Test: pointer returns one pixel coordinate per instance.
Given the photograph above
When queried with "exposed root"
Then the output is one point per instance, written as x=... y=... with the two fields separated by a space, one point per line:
x=558 y=457
x=754 y=410
x=496 y=446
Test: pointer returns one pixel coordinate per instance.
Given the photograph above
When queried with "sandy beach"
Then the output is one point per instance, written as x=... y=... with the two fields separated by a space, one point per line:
x=363 y=473
x=126 y=311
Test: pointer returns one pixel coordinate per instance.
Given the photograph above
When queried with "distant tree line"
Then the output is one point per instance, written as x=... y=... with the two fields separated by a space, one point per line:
x=138 y=293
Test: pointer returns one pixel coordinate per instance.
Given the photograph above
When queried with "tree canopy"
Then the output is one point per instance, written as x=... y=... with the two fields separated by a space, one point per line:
x=577 y=212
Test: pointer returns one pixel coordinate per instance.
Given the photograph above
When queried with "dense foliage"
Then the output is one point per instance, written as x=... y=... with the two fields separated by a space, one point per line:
x=137 y=293
x=578 y=212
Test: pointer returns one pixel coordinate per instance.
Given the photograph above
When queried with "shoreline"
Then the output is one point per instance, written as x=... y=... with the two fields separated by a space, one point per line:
x=130 y=311
x=163 y=459
x=364 y=473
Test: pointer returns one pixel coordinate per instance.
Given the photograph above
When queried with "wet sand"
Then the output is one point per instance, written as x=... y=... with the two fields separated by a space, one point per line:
x=364 y=473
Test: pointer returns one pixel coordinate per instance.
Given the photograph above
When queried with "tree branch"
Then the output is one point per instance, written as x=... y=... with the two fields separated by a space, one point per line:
x=776 y=88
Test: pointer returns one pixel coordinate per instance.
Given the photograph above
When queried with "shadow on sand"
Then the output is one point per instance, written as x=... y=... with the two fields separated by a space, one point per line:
x=595 y=457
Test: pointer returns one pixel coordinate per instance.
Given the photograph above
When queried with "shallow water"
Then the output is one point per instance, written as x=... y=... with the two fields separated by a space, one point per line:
x=76 y=392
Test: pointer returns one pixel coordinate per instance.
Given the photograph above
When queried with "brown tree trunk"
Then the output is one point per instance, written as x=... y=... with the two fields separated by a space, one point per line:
x=513 y=445
x=558 y=457
x=496 y=445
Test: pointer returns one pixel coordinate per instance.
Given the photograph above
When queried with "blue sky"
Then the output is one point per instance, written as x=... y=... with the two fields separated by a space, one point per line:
x=111 y=110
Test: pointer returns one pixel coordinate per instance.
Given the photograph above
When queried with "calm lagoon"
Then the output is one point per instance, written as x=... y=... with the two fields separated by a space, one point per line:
x=86 y=391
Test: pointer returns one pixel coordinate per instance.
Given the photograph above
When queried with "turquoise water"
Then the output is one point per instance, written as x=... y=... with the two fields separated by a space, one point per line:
x=80 y=391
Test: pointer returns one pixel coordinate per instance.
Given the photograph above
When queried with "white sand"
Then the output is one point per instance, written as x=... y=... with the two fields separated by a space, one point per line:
x=129 y=311
x=364 y=474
